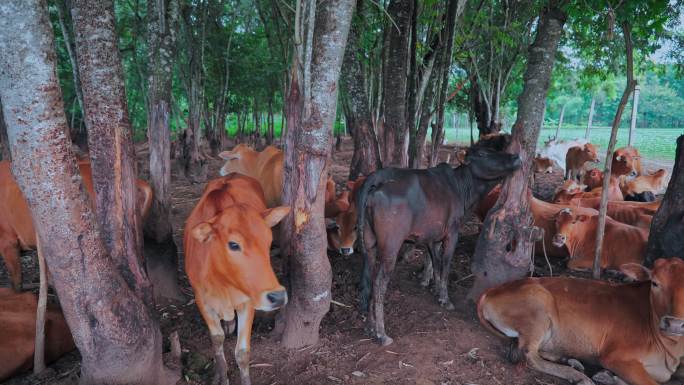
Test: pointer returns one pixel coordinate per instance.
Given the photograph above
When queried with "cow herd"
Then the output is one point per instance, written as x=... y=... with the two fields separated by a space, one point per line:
x=634 y=330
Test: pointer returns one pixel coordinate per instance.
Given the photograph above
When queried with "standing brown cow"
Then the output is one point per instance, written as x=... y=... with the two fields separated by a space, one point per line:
x=575 y=159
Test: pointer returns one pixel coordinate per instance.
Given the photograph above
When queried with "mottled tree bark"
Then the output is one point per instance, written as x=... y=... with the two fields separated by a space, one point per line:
x=112 y=154
x=505 y=244
x=161 y=254
x=4 y=141
x=311 y=111
x=665 y=238
x=395 y=84
x=116 y=334
x=366 y=156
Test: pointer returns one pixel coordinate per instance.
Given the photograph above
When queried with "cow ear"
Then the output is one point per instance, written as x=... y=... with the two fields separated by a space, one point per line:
x=582 y=218
x=273 y=216
x=461 y=156
x=202 y=232
x=228 y=155
x=636 y=272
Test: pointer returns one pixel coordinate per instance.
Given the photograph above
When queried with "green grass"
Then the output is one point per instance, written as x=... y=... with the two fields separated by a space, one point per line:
x=653 y=143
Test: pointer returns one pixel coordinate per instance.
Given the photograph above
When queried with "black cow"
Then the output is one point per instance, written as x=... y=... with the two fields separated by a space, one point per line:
x=425 y=206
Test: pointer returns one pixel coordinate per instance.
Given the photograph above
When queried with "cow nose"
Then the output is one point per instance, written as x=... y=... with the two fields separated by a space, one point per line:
x=633 y=173
x=672 y=325
x=277 y=298
x=346 y=250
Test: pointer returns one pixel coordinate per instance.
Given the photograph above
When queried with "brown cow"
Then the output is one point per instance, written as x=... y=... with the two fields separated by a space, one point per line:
x=622 y=243
x=565 y=195
x=16 y=225
x=626 y=161
x=593 y=179
x=543 y=165
x=634 y=330
x=227 y=240
x=575 y=159
x=653 y=183
x=346 y=220
x=265 y=166
x=334 y=205
x=18 y=332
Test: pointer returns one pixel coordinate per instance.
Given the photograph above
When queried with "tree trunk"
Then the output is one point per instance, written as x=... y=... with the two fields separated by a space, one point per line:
x=560 y=121
x=4 y=141
x=161 y=253
x=114 y=330
x=366 y=156
x=603 y=208
x=664 y=240
x=591 y=116
x=505 y=244
x=395 y=84
x=311 y=112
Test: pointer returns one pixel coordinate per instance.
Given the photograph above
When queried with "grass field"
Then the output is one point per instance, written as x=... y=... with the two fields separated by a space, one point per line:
x=653 y=143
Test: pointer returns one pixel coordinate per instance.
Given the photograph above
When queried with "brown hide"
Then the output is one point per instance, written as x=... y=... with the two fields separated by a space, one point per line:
x=575 y=159
x=265 y=166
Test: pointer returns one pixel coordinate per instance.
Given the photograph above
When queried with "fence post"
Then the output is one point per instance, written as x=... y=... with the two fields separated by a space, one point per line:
x=635 y=107
x=591 y=116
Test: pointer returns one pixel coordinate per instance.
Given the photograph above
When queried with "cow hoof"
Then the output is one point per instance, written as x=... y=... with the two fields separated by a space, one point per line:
x=447 y=305
x=385 y=340
x=425 y=283
x=604 y=377
x=573 y=363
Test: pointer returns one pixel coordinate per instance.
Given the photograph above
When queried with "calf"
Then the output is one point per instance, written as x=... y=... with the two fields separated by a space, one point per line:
x=556 y=150
x=18 y=332
x=16 y=224
x=593 y=179
x=265 y=166
x=227 y=240
x=424 y=206
x=634 y=330
x=575 y=159
x=568 y=195
x=346 y=220
x=622 y=243
x=626 y=161
x=644 y=186
x=543 y=165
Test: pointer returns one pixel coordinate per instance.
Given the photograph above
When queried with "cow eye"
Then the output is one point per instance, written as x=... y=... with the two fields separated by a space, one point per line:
x=655 y=284
x=233 y=246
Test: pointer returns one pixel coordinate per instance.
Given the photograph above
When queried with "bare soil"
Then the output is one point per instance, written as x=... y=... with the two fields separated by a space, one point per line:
x=431 y=345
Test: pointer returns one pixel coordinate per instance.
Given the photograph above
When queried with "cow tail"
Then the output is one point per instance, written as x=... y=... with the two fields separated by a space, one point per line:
x=369 y=185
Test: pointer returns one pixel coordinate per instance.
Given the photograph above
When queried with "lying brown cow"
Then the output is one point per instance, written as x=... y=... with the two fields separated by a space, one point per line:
x=634 y=330
x=16 y=225
x=653 y=184
x=18 y=332
x=265 y=166
x=227 y=240
x=626 y=161
x=593 y=179
x=543 y=165
x=622 y=243
x=576 y=158
x=566 y=195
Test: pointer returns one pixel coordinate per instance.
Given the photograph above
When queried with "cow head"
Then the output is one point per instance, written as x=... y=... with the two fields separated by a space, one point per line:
x=239 y=241
x=346 y=220
x=667 y=292
x=593 y=178
x=589 y=152
x=626 y=161
x=490 y=163
x=237 y=159
x=567 y=223
x=543 y=165
x=567 y=191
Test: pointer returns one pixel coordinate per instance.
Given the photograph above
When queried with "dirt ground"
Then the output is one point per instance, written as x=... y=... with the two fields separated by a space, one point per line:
x=431 y=345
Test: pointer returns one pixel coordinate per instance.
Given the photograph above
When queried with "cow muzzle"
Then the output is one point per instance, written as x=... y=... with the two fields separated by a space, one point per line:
x=559 y=240
x=346 y=250
x=672 y=326
x=273 y=300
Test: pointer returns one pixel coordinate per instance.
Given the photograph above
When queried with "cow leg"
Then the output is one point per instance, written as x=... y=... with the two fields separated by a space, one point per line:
x=428 y=270
x=447 y=254
x=10 y=254
x=217 y=339
x=245 y=318
x=632 y=372
x=387 y=256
